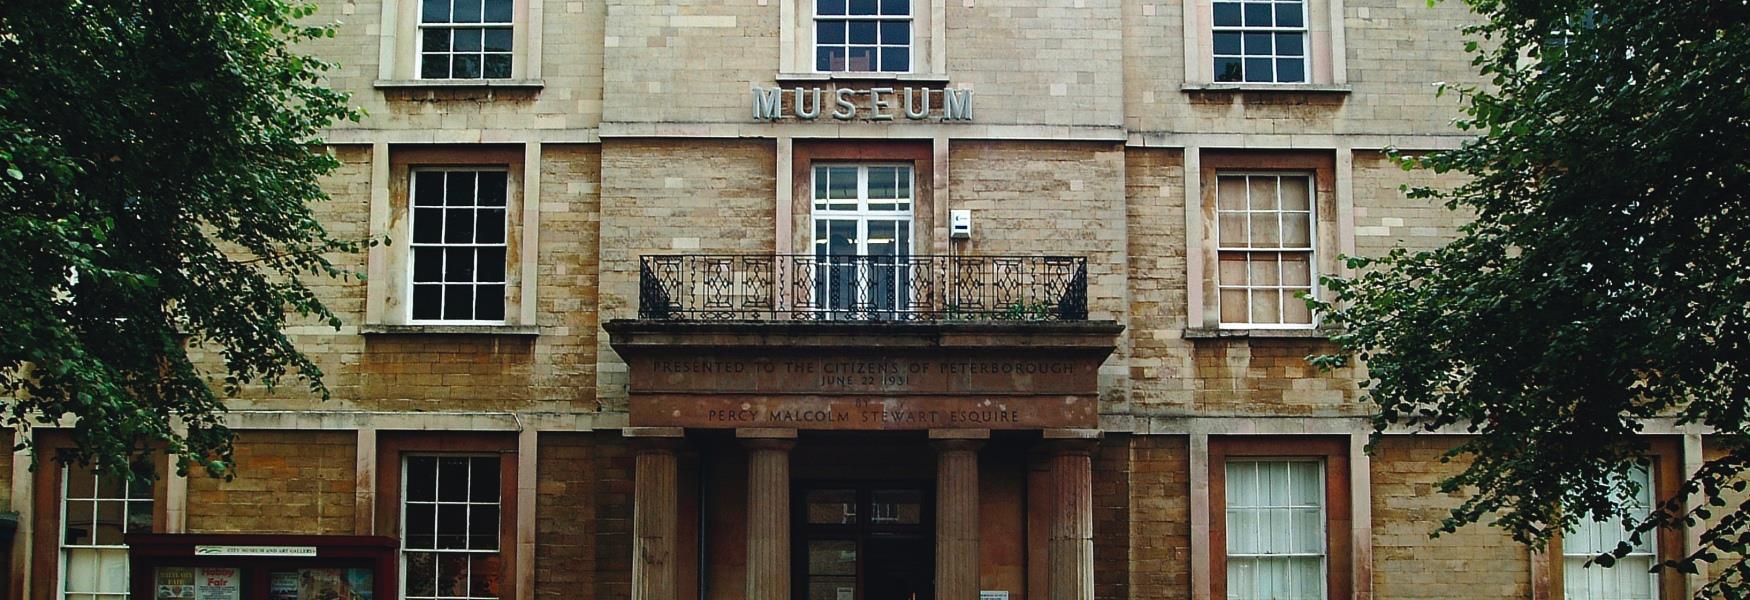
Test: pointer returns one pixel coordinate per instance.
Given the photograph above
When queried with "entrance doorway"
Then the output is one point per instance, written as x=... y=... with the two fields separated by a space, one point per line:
x=865 y=541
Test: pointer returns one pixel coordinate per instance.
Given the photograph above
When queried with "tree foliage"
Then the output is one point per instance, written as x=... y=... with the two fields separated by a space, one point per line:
x=157 y=165
x=1604 y=284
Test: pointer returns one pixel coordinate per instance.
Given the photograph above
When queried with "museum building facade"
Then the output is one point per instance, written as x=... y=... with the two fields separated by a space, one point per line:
x=842 y=300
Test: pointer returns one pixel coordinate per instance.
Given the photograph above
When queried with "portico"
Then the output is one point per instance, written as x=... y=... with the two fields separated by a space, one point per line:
x=863 y=461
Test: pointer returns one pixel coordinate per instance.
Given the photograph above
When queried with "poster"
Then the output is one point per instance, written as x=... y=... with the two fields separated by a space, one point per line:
x=282 y=585
x=218 y=583
x=334 y=584
x=174 y=583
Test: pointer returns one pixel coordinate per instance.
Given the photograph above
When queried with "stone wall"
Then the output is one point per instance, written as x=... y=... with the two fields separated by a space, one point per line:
x=1478 y=561
x=286 y=482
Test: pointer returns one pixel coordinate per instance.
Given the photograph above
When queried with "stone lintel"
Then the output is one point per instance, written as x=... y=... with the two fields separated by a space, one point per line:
x=766 y=433
x=959 y=434
x=653 y=432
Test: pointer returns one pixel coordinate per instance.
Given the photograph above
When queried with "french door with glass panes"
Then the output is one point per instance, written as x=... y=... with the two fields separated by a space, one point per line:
x=862 y=239
x=864 y=541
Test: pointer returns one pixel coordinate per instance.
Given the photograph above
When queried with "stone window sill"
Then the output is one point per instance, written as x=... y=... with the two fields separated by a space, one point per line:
x=913 y=78
x=1264 y=88
x=1207 y=333
x=438 y=329
x=463 y=84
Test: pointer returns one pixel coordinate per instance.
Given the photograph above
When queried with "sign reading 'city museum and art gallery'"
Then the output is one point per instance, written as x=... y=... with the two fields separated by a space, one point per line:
x=873 y=104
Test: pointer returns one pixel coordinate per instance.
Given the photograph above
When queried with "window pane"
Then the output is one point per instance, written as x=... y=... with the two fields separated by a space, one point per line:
x=428 y=302
x=832 y=507
x=421 y=574
x=491 y=265
x=110 y=516
x=452 y=479
x=1309 y=530
x=829 y=58
x=489 y=302
x=1230 y=193
x=467 y=11
x=1234 y=306
x=895 y=59
x=1266 y=232
x=497 y=66
x=1291 y=70
x=860 y=58
x=1228 y=69
x=1257 y=43
x=79 y=515
x=832 y=557
x=1242 y=483
x=459 y=226
x=452 y=526
x=452 y=574
x=1233 y=269
x=420 y=526
x=1290 y=44
x=436 y=40
x=1289 y=15
x=483 y=527
x=896 y=33
x=489 y=226
x=1294 y=309
x=1227 y=43
x=140 y=516
x=458 y=267
x=1261 y=269
x=829 y=7
x=428 y=225
x=1262 y=192
x=459 y=188
x=1295 y=193
x=1242 y=531
x=1296 y=269
x=486 y=570
x=899 y=507
x=1257 y=14
x=492 y=188
x=497 y=11
x=842 y=182
x=1230 y=229
x=863 y=7
x=435 y=11
x=863 y=32
x=458 y=302
x=486 y=479
x=434 y=66
x=1296 y=230
x=1227 y=14
x=1258 y=70
x=466 y=66
x=896 y=7
x=829 y=32
x=882 y=183
x=1266 y=306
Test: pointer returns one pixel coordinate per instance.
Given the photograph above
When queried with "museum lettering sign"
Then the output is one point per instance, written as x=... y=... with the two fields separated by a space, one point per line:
x=872 y=104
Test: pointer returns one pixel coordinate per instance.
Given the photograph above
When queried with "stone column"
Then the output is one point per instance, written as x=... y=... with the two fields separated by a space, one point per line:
x=957 y=558
x=1070 y=465
x=655 y=508
x=768 y=512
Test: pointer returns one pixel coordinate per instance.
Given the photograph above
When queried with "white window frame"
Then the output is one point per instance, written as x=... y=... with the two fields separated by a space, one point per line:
x=1312 y=249
x=1305 y=31
x=412 y=246
x=421 y=27
x=1324 y=522
x=862 y=215
x=1652 y=546
x=911 y=45
x=401 y=543
x=63 y=548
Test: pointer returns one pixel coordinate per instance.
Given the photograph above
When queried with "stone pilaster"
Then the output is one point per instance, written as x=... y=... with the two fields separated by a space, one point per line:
x=1070 y=464
x=768 y=512
x=655 y=513
x=957 y=557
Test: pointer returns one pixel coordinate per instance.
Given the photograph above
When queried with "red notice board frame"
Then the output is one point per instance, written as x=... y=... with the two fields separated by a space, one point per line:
x=148 y=551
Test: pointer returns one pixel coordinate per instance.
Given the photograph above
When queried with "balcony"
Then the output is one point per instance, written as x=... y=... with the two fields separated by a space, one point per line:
x=861 y=288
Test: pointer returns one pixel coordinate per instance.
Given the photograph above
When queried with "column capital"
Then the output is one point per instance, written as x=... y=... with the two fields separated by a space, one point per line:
x=647 y=440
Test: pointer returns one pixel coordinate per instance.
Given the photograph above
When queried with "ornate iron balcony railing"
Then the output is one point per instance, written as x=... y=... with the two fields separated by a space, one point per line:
x=806 y=287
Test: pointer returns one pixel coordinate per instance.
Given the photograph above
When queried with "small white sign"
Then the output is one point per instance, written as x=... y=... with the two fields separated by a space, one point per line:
x=993 y=595
x=254 y=550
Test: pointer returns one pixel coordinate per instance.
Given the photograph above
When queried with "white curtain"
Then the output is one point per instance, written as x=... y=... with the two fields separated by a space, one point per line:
x=1275 y=530
x=96 y=573
x=1630 y=578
